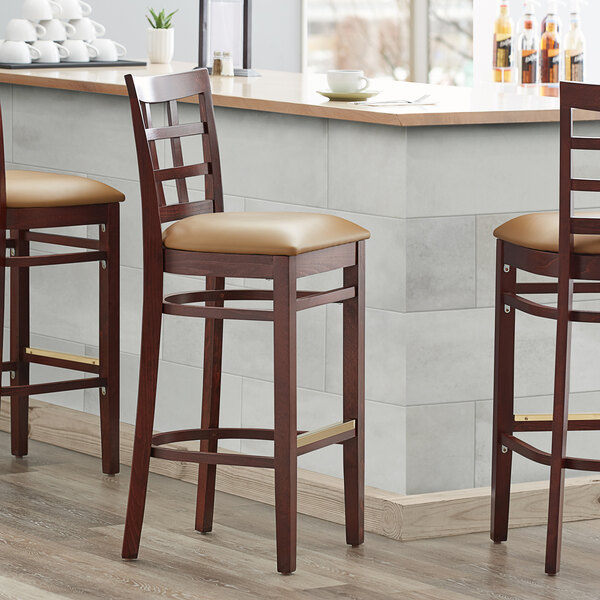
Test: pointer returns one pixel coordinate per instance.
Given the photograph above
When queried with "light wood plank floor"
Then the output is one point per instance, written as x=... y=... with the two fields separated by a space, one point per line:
x=60 y=534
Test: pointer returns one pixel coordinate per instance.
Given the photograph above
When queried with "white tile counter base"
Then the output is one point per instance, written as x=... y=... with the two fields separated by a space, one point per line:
x=431 y=197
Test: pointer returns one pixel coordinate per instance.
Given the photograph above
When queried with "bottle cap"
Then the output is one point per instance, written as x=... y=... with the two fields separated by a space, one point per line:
x=218 y=53
x=228 y=54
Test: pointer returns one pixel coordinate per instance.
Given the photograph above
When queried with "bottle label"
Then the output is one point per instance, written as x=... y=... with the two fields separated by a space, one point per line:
x=551 y=65
x=529 y=66
x=574 y=67
x=502 y=50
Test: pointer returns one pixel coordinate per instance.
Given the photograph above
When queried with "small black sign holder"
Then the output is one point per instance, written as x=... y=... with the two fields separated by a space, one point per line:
x=204 y=59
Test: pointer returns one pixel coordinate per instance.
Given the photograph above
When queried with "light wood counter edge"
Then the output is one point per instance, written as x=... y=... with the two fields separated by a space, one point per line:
x=335 y=110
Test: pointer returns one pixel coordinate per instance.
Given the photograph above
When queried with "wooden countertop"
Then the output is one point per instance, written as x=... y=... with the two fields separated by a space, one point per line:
x=295 y=94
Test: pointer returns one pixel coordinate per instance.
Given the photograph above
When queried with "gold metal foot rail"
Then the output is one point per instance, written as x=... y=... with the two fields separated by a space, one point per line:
x=88 y=364
x=543 y=422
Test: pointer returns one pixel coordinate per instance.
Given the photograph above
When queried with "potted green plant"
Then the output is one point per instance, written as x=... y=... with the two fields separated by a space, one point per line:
x=161 y=36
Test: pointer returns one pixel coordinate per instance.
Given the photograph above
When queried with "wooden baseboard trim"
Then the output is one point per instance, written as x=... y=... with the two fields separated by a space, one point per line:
x=391 y=515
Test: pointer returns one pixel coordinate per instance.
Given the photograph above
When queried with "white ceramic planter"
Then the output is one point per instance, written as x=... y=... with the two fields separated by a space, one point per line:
x=161 y=45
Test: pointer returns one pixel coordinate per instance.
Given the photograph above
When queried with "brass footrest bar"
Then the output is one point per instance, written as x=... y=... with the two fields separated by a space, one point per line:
x=528 y=451
x=54 y=259
x=549 y=417
x=88 y=364
x=325 y=436
x=54 y=386
x=577 y=422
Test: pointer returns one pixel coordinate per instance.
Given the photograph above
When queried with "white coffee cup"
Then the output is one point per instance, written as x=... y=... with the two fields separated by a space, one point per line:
x=18 y=52
x=344 y=81
x=22 y=30
x=40 y=10
x=56 y=31
x=74 y=9
x=86 y=29
x=108 y=51
x=50 y=52
x=79 y=51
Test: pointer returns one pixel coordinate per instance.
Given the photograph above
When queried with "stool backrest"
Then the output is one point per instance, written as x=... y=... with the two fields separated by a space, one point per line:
x=166 y=90
x=582 y=96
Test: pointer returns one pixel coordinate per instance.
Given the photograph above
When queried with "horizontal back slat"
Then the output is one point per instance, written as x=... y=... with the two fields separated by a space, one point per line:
x=584 y=96
x=585 y=225
x=585 y=185
x=182 y=172
x=585 y=143
x=166 y=133
x=174 y=212
x=164 y=88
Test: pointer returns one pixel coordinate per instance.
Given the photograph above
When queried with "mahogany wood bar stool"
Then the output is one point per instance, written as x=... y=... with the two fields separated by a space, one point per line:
x=205 y=241
x=567 y=247
x=33 y=200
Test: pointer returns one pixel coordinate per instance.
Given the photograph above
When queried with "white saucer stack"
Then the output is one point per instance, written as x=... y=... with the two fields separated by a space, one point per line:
x=54 y=31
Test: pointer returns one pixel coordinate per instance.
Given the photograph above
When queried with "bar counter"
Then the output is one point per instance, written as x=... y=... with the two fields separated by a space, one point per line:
x=430 y=182
x=294 y=94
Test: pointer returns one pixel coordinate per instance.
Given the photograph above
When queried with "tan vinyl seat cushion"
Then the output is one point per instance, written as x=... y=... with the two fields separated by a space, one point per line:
x=271 y=233
x=539 y=231
x=34 y=189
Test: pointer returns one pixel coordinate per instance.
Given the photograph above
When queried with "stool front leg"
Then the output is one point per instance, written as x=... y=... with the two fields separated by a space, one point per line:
x=354 y=399
x=149 y=359
x=504 y=368
x=19 y=340
x=284 y=306
x=211 y=397
x=109 y=341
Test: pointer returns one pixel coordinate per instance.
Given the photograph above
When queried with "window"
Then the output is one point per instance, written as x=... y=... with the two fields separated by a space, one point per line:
x=418 y=40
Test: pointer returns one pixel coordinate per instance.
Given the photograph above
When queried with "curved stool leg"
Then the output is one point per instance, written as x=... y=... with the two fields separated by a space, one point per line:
x=286 y=432
x=19 y=340
x=354 y=399
x=149 y=355
x=504 y=362
x=211 y=396
x=109 y=342
x=560 y=423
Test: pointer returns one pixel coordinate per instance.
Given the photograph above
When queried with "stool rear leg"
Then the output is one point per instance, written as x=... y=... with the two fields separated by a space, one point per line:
x=286 y=432
x=354 y=399
x=504 y=365
x=19 y=340
x=149 y=359
x=211 y=396
x=560 y=423
x=109 y=341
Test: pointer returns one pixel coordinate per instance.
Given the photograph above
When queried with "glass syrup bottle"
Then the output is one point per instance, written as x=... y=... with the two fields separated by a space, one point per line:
x=550 y=48
x=528 y=47
x=503 y=35
x=552 y=12
x=574 y=47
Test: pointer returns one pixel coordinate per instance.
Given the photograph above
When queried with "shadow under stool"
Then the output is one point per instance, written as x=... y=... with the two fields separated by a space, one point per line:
x=32 y=200
x=565 y=246
x=205 y=241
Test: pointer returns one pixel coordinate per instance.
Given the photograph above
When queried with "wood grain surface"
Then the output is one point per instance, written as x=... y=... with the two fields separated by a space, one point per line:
x=296 y=94
x=61 y=524
x=391 y=515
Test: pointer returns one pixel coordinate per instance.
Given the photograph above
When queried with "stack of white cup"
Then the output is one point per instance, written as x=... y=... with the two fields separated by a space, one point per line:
x=53 y=31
